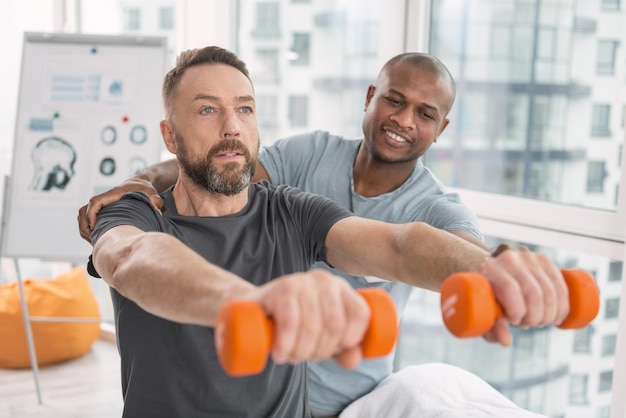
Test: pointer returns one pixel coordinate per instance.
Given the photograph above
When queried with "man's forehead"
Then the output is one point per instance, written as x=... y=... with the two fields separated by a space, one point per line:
x=403 y=70
x=217 y=78
x=408 y=77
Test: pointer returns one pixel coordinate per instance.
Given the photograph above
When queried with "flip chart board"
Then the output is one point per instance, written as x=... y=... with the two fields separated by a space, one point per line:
x=88 y=117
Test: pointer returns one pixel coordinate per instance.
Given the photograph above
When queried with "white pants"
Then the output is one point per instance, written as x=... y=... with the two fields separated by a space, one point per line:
x=434 y=390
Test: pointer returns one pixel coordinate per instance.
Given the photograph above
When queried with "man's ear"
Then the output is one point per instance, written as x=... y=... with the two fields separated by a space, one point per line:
x=444 y=124
x=167 y=132
x=370 y=93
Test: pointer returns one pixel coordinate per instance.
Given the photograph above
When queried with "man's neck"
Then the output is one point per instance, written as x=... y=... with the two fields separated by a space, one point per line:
x=193 y=200
x=373 y=178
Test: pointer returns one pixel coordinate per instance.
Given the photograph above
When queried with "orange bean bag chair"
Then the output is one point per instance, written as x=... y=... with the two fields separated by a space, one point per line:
x=67 y=295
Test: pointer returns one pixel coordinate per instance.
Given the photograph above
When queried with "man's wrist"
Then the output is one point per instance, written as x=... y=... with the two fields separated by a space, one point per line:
x=500 y=249
x=505 y=247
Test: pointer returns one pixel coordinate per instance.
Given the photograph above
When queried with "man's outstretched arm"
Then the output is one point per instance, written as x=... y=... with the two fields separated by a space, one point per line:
x=528 y=286
x=316 y=315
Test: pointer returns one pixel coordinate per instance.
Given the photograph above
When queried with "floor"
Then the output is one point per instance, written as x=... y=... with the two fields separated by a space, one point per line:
x=87 y=387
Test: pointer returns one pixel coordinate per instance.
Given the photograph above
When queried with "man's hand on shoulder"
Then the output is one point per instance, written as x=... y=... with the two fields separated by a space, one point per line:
x=88 y=213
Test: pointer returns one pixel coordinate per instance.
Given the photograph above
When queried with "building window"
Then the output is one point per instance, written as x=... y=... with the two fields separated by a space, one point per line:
x=596 y=173
x=298 y=111
x=267 y=20
x=266 y=110
x=300 y=49
x=606 y=381
x=610 y=5
x=600 y=120
x=611 y=309
x=578 y=389
x=166 y=18
x=582 y=340
x=266 y=65
x=605 y=60
x=132 y=19
x=362 y=40
x=608 y=345
x=603 y=412
x=615 y=271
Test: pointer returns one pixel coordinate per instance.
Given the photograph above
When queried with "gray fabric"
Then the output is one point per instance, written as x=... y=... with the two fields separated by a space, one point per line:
x=171 y=369
x=319 y=162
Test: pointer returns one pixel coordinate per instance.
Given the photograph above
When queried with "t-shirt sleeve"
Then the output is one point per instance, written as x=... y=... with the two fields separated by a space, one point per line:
x=315 y=215
x=448 y=213
x=287 y=159
x=132 y=209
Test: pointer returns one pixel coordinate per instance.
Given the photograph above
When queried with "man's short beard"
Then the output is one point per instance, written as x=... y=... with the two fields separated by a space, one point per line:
x=229 y=181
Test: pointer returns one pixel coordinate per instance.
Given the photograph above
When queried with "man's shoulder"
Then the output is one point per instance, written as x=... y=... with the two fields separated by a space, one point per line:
x=286 y=194
x=134 y=199
x=317 y=139
x=272 y=191
x=335 y=140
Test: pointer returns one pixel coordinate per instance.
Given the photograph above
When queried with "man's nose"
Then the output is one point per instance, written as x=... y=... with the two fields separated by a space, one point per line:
x=405 y=118
x=231 y=127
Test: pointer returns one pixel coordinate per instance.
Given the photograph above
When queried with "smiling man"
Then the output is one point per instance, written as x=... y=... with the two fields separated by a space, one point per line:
x=378 y=177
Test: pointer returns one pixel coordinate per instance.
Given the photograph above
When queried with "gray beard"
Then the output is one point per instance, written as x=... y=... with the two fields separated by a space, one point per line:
x=229 y=181
x=228 y=185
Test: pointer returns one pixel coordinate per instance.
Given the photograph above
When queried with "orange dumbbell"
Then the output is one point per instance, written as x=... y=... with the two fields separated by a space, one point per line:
x=244 y=333
x=469 y=308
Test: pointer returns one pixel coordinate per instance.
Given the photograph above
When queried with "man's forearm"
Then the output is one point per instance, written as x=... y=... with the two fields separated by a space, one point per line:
x=414 y=253
x=186 y=289
x=161 y=175
x=436 y=255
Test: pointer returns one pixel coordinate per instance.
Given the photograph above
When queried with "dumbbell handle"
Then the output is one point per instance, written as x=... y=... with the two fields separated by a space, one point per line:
x=469 y=307
x=243 y=332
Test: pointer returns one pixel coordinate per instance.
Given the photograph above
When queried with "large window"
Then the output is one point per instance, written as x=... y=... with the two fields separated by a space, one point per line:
x=526 y=99
x=533 y=130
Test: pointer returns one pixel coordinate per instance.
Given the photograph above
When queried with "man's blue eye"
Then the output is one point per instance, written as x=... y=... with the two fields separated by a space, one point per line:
x=207 y=110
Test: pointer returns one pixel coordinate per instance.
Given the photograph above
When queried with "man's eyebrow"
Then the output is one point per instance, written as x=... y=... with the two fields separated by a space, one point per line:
x=243 y=99
x=208 y=97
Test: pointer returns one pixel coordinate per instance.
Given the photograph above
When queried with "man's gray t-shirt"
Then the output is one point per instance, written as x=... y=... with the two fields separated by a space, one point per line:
x=322 y=163
x=171 y=369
